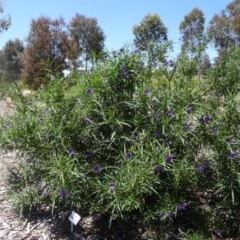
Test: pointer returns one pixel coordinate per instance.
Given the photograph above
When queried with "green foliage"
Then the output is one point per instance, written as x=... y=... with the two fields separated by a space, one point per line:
x=225 y=75
x=5 y=22
x=4 y=89
x=10 y=60
x=151 y=40
x=192 y=29
x=204 y=65
x=150 y=29
x=89 y=37
x=224 y=27
x=112 y=142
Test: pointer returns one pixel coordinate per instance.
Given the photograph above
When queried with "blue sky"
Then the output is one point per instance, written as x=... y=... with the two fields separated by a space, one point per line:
x=115 y=17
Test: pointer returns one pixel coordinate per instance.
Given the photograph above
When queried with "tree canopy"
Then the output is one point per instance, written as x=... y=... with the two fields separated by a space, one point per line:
x=10 y=60
x=150 y=29
x=5 y=22
x=47 y=42
x=191 y=30
x=89 y=37
x=224 y=27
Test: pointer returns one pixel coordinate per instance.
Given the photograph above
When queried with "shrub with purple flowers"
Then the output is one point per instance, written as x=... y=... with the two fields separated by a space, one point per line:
x=114 y=148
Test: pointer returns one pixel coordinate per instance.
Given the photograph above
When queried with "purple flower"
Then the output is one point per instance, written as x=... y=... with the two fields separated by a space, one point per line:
x=207 y=119
x=169 y=112
x=118 y=87
x=201 y=169
x=90 y=154
x=87 y=121
x=71 y=150
x=29 y=160
x=227 y=140
x=170 y=214
x=171 y=63
x=95 y=216
x=186 y=127
x=136 y=51
x=206 y=165
x=231 y=155
x=128 y=154
x=168 y=159
x=96 y=168
x=62 y=192
x=181 y=206
x=89 y=90
x=159 y=133
x=218 y=232
x=157 y=116
x=215 y=129
x=125 y=74
x=157 y=169
x=231 y=179
x=189 y=110
x=123 y=68
x=161 y=214
x=215 y=37
x=136 y=137
x=201 y=119
x=16 y=178
x=147 y=91
x=112 y=185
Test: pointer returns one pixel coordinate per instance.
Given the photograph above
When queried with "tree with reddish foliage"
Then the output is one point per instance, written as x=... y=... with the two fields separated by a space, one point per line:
x=89 y=36
x=48 y=45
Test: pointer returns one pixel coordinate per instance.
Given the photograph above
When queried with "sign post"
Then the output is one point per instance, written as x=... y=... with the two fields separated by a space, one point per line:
x=74 y=219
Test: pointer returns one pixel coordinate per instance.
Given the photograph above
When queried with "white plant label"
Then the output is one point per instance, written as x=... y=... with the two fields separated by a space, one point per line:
x=74 y=218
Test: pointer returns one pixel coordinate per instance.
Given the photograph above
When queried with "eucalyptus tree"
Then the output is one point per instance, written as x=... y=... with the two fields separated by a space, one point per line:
x=192 y=30
x=10 y=60
x=224 y=27
x=5 y=22
x=89 y=38
x=151 y=38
